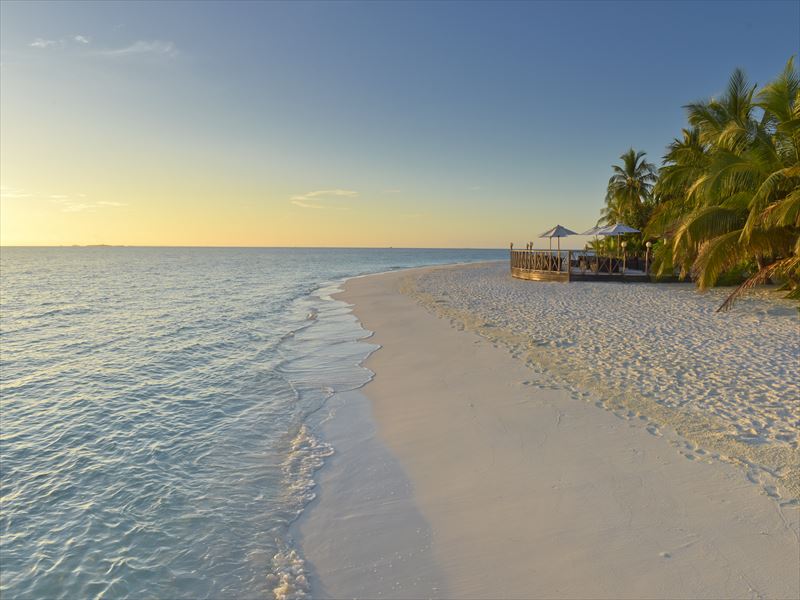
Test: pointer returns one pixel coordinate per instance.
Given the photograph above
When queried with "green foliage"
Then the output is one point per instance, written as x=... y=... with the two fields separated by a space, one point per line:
x=725 y=204
x=629 y=196
x=736 y=275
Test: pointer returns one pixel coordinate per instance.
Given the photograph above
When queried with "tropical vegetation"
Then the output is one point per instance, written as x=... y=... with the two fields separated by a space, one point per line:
x=725 y=203
x=629 y=198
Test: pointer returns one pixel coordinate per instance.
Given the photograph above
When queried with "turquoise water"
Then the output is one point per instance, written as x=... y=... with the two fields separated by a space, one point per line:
x=155 y=431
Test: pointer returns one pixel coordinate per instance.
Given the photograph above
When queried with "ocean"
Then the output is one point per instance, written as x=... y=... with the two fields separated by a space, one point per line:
x=157 y=412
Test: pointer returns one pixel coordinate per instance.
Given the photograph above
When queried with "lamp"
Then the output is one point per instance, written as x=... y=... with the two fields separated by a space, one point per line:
x=623 y=245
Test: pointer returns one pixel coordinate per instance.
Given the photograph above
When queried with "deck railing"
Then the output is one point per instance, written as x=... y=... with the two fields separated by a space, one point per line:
x=541 y=260
x=563 y=265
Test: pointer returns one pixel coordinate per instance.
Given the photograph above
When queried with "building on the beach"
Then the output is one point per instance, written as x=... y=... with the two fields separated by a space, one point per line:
x=579 y=265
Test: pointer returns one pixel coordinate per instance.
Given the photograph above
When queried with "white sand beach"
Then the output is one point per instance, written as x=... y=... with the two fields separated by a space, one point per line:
x=486 y=474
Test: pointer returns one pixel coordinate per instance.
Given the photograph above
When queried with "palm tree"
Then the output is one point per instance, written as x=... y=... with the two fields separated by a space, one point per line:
x=773 y=221
x=629 y=193
x=684 y=163
x=729 y=191
x=719 y=196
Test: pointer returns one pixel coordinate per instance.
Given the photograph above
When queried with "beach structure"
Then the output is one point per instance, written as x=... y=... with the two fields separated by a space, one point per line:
x=557 y=232
x=617 y=230
x=595 y=231
x=577 y=265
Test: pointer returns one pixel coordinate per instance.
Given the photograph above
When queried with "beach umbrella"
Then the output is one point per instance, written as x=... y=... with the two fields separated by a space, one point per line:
x=557 y=232
x=616 y=230
x=595 y=232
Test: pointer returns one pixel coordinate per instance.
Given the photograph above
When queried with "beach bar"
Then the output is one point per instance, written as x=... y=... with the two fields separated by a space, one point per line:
x=540 y=265
x=574 y=265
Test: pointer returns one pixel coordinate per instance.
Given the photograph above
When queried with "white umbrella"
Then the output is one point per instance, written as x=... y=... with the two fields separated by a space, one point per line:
x=595 y=231
x=616 y=229
x=557 y=232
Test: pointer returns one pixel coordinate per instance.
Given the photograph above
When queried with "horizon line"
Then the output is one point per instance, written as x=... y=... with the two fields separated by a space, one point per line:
x=250 y=247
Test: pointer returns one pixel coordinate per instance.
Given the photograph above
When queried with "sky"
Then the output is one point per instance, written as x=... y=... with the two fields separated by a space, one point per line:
x=431 y=124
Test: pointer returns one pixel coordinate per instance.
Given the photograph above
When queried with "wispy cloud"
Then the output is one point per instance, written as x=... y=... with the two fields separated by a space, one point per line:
x=43 y=43
x=10 y=192
x=139 y=47
x=76 y=206
x=77 y=38
x=313 y=199
x=391 y=191
x=66 y=202
x=79 y=203
x=163 y=48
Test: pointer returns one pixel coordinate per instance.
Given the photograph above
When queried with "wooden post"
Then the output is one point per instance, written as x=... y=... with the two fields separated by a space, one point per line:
x=569 y=265
x=624 y=260
x=558 y=240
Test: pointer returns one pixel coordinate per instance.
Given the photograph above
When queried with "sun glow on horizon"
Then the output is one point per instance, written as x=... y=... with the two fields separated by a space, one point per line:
x=339 y=125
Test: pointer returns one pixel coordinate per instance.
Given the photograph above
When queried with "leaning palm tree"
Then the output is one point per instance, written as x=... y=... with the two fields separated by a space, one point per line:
x=733 y=183
x=719 y=196
x=629 y=193
x=773 y=220
x=685 y=162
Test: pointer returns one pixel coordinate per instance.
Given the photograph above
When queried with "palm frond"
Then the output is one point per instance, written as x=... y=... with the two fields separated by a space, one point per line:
x=785 y=267
x=728 y=190
x=707 y=223
x=715 y=256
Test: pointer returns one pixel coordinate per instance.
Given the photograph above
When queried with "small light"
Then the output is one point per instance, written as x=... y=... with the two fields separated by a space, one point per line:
x=624 y=244
x=649 y=244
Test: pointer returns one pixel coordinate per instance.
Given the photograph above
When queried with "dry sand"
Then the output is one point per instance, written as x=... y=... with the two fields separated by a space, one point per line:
x=507 y=486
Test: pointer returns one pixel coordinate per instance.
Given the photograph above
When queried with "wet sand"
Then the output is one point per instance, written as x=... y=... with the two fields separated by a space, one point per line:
x=520 y=486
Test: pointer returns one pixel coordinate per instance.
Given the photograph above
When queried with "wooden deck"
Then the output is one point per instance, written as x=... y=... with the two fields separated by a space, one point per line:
x=627 y=277
x=535 y=275
x=571 y=265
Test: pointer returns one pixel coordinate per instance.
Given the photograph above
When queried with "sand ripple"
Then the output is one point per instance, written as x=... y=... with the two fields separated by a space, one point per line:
x=729 y=382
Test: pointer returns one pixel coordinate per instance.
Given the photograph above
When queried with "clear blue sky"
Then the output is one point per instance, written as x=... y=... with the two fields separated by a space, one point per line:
x=473 y=123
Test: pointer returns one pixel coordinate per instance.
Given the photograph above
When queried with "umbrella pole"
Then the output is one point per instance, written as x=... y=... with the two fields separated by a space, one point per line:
x=558 y=241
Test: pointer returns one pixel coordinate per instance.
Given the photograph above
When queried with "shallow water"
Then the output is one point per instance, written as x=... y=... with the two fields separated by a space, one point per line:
x=156 y=438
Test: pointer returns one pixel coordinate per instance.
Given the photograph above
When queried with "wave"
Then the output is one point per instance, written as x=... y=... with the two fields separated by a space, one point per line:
x=322 y=358
x=158 y=395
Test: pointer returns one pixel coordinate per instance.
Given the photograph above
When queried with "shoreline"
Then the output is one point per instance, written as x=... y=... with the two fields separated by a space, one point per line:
x=526 y=491
x=651 y=353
